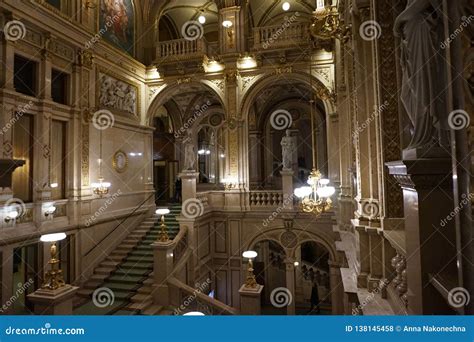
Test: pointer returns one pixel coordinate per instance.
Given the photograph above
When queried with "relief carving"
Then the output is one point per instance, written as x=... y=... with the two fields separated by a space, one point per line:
x=117 y=95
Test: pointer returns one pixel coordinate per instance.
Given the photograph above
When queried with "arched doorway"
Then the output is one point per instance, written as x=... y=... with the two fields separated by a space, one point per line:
x=287 y=98
x=180 y=112
x=312 y=280
x=270 y=272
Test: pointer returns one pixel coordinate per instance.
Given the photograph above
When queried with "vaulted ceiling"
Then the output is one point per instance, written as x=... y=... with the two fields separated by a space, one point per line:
x=261 y=12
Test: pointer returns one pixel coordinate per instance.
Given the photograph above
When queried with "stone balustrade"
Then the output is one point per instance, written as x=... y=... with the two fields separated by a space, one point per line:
x=182 y=48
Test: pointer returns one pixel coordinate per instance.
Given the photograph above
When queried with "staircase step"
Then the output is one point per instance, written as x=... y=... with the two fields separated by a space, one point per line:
x=121 y=288
x=136 y=265
x=140 y=258
x=128 y=278
x=132 y=271
x=104 y=270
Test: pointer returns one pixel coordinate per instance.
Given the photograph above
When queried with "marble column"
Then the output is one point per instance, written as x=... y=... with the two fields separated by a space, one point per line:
x=291 y=286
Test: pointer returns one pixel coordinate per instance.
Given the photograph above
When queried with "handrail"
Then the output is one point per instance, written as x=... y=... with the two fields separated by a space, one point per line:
x=205 y=298
x=121 y=222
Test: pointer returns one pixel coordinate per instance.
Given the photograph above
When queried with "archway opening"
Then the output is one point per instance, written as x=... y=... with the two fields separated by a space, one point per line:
x=313 y=294
x=281 y=110
x=190 y=114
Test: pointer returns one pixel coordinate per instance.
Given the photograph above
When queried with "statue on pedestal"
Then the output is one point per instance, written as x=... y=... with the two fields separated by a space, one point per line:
x=189 y=152
x=423 y=94
x=287 y=149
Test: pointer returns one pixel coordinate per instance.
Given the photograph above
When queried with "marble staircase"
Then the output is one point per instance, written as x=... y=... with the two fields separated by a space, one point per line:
x=124 y=274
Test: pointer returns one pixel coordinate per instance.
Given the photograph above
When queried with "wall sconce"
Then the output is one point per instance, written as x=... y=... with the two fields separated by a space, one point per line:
x=229 y=32
x=11 y=215
x=53 y=185
x=230 y=183
x=211 y=65
x=246 y=62
x=49 y=210
x=54 y=277
x=250 y=280
x=163 y=237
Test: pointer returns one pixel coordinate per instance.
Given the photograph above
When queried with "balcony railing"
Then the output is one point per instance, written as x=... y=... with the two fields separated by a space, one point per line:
x=269 y=37
x=182 y=48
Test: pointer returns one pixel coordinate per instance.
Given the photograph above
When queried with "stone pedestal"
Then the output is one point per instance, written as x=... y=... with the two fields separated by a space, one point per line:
x=162 y=268
x=188 y=184
x=287 y=187
x=53 y=302
x=429 y=229
x=250 y=300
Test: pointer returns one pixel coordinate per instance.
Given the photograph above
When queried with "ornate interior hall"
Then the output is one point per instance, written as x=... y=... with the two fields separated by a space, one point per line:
x=236 y=157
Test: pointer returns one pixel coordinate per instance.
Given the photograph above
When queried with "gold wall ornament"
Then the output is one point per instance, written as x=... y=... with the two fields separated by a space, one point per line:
x=120 y=161
x=328 y=25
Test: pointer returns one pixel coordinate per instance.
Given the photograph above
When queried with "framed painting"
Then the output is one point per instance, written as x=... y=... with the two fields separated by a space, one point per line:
x=117 y=23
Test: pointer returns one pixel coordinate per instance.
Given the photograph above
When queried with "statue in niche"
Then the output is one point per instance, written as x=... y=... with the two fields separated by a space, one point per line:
x=420 y=27
x=189 y=151
x=287 y=150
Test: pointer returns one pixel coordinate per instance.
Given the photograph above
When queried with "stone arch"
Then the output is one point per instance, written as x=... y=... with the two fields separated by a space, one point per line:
x=166 y=92
x=261 y=83
x=271 y=234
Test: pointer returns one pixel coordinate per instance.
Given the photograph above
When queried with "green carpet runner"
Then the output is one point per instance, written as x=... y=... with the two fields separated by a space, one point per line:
x=130 y=274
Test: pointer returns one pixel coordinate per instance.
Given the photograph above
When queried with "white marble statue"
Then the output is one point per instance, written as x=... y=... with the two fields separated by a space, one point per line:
x=287 y=150
x=420 y=27
x=189 y=151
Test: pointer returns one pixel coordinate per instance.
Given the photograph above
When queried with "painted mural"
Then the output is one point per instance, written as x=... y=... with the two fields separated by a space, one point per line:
x=117 y=23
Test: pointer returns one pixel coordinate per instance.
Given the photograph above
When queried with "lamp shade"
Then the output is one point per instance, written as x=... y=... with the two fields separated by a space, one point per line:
x=194 y=313
x=249 y=254
x=163 y=211
x=53 y=237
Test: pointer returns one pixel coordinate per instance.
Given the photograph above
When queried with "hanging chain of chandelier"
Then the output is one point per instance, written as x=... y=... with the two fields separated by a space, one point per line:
x=316 y=196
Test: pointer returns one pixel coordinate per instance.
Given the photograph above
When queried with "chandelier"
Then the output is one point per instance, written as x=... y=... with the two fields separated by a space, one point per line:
x=315 y=198
x=327 y=23
x=100 y=188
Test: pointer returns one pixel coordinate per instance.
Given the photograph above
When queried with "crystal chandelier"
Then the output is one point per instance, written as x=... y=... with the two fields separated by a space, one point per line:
x=100 y=188
x=315 y=198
